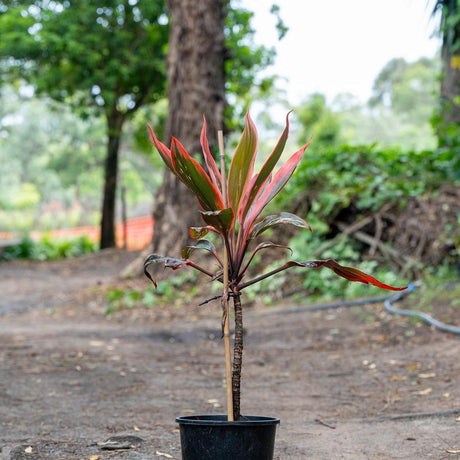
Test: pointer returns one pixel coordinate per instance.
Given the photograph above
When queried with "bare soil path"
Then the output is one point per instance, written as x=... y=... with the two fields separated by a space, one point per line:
x=352 y=383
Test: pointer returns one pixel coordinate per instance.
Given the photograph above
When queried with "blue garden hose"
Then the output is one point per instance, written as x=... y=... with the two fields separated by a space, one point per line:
x=387 y=303
x=417 y=314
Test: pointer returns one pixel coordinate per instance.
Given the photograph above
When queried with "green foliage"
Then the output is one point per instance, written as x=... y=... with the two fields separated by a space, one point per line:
x=106 y=61
x=63 y=163
x=333 y=183
x=450 y=24
x=49 y=249
x=398 y=114
x=120 y=298
x=367 y=177
x=318 y=120
x=177 y=291
x=110 y=58
x=407 y=88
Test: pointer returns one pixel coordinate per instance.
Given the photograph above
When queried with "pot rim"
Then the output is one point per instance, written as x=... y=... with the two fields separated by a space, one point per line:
x=219 y=419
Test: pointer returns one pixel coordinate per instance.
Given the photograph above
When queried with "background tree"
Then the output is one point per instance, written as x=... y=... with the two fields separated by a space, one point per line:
x=196 y=87
x=318 y=120
x=211 y=55
x=448 y=126
x=106 y=57
x=398 y=113
x=402 y=87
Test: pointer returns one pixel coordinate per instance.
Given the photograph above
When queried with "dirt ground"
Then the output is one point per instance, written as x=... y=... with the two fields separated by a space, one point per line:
x=349 y=383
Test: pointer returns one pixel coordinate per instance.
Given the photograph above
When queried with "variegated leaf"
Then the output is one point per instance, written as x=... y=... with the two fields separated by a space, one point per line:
x=213 y=170
x=166 y=261
x=197 y=233
x=242 y=165
x=270 y=191
x=265 y=172
x=192 y=174
x=278 y=219
x=200 y=244
x=222 y=221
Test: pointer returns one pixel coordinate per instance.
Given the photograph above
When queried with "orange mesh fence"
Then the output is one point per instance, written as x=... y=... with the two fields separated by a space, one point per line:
x=139 y=233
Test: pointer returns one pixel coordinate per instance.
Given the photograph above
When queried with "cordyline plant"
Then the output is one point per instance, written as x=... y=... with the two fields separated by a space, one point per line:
x=231 y=208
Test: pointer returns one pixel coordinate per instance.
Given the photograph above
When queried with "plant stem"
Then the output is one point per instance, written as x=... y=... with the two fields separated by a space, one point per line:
x=225 y=309
x=228 y=355
x=237 y=356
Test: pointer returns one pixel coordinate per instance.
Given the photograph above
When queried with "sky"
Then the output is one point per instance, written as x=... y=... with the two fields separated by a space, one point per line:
x=340 y=46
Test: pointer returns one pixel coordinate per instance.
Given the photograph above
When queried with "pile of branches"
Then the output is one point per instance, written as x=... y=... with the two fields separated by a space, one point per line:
x=425 y=232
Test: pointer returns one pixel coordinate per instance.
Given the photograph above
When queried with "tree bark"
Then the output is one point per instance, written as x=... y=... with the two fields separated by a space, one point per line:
x=450 y=86
x=196 y=87
x=114 y=126
x=450 y=80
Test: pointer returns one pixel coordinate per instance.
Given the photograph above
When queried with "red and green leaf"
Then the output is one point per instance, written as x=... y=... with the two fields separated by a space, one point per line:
x=272 y=189
x=222 y=220
x=201 y=245
x=277 y=219
x=191 y=173
x=349 y=273
x=242 y=165
x=197 y=233
x=353 y=274
x=213 y=170
x=164 y=152
x=265 y=172
x=169 y=262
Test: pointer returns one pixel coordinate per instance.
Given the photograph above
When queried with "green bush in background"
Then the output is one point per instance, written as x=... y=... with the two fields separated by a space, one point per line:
x=49 y=249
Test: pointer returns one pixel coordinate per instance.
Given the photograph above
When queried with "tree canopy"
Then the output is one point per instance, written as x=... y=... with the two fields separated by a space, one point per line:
x=103 y=57
x=110 y=57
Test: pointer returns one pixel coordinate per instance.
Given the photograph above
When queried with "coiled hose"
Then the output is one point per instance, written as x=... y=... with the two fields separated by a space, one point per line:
x=416 y=314
x=387 y=303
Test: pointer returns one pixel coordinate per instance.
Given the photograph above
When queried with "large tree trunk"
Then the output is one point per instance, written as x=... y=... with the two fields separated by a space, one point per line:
x=195 y=88
x=450 y=80
x=114 y=126
x=450 y=86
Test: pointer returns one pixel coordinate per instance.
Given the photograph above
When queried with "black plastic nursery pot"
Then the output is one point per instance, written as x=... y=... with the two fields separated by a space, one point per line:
x=212 y=437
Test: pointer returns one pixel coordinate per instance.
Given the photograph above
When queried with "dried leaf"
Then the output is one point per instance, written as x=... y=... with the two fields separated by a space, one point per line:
x=424 y=392
x=427 y=376
x=28 y=450
x=162 y=454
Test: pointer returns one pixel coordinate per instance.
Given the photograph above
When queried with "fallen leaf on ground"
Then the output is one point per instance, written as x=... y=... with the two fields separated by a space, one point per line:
x=427 y=375
x=28 y=450
x=424 y=392
x=161 y=454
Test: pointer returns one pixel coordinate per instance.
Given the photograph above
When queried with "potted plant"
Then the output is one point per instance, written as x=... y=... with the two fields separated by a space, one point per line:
x=231 y=208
